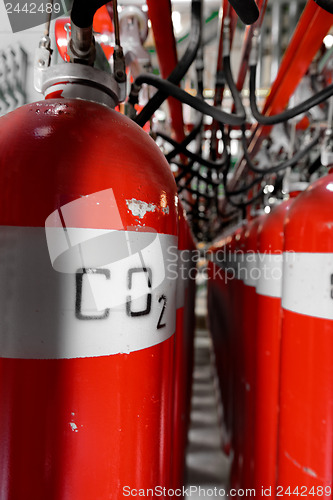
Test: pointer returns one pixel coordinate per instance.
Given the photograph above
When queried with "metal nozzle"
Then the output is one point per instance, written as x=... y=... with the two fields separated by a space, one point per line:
x=81 y=48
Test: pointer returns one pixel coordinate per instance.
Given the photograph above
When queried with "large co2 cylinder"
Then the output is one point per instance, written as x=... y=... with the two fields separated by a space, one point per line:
x=184 y=340
x=305 y=447
x=88 y=307
x=249 y=332
x=268 y=340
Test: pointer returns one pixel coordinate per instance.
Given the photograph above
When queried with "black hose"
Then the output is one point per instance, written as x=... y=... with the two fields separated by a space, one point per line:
x=83 y=12
x=199 y=66
x=228 y=194
x=189 y=154
x=197 y=216
x=326 y=5
x=315 y=165
x=243 y=204
x=192 y=205
x=240 y=110
x=247 y=11
x=283 y=165
x=182 y=67
x=236 y=192
x=229 y=215
x=196 y=193
x=226 y=170
x=204 y=108
x=189 y=138
x=188 y=170
x=246 y=188
x=322 y=96
x=242 y=190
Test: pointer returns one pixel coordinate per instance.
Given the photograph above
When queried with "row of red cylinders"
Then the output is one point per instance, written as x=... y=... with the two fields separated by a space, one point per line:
x=270 y=307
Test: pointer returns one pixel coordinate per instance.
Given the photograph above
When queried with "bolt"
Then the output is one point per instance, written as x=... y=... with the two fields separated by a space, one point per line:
x=41 y=62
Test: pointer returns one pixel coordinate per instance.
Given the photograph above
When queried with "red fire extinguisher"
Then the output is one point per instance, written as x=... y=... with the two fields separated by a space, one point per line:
x=88 y=213
x=305 y=446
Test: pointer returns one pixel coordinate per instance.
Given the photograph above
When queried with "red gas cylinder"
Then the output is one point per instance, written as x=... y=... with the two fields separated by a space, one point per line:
x=249 y=326
x=269 y=290
x=236 y=286
x=221 y=328
x=305 y=448
x=184 y=338
x=88 y=213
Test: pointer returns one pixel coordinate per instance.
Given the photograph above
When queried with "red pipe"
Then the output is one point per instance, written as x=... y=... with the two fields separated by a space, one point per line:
x=165 y=43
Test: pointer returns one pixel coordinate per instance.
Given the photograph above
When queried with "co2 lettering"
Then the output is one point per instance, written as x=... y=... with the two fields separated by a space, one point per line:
x=130 y=311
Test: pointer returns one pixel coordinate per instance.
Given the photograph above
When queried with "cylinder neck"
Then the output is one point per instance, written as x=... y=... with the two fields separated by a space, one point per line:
x=76 y=81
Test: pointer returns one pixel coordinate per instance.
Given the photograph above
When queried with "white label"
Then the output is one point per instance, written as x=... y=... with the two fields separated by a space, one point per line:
x=270 y=277
x=308 y=284
x=89 y=300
